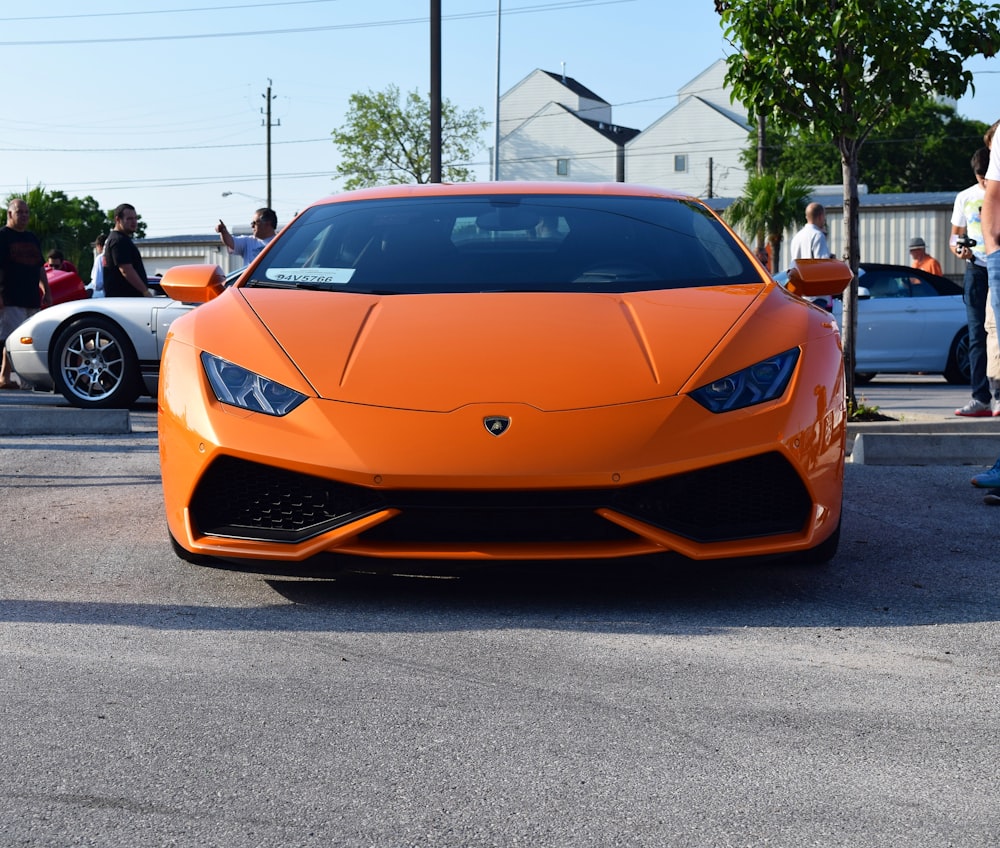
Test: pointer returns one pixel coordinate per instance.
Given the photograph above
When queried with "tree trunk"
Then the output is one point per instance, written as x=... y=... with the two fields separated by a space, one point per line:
x=849 y=162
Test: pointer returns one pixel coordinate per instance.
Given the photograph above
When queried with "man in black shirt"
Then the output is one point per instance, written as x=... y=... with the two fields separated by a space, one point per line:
x=124 y=273
x=24 y=287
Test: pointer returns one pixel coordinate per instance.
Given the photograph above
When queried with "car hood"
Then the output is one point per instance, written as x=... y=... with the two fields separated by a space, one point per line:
x=548 y=350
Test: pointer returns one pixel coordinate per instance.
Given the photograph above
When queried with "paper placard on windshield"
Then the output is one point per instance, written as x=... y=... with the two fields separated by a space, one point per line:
x=311 y=276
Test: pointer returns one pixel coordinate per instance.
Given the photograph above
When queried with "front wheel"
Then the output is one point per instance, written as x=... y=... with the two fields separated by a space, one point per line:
x=822 y=553
x=94 y=365
x=958 y=370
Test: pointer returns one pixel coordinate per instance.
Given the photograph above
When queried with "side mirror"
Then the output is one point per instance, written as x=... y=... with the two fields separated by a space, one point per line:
x=863 y=293
x=193 y=283
x=818 y=277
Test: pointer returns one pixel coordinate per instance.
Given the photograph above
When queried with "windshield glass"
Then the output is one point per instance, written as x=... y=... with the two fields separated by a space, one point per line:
x=505 y=243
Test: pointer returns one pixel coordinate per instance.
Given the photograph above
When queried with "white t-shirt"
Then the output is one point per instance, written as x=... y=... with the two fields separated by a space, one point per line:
x=810 y=243
x=966 y=214
x=248 y=247
x=993 y=171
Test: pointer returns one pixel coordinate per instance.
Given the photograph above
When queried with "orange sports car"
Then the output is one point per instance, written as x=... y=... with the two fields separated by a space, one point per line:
x=503 y=371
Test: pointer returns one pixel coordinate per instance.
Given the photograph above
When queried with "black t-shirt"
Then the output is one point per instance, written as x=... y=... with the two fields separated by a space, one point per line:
x=120 y=250
x=21 y=261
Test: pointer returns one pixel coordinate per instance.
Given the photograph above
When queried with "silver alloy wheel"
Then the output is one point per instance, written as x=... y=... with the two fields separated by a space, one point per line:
x=95 y=364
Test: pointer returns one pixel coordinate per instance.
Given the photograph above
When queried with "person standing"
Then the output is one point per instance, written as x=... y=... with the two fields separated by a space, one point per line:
x=966 y=225
x=921 y=259
x=24 y=286
x=96 y=285
x=810 y=242
x=264 y=225
x=124 y=273
x=990 y=220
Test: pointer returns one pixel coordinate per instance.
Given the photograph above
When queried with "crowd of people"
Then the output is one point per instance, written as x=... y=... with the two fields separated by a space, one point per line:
x=118 y=269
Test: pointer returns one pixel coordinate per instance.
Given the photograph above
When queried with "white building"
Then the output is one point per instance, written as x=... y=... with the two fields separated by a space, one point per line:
x=695 y=147
x=553 y=128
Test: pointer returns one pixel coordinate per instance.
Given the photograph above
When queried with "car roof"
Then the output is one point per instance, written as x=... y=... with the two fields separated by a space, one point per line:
x=503 y=188
x=898 y=269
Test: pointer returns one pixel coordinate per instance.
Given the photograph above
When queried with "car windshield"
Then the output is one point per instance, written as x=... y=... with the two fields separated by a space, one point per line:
x=500 y=242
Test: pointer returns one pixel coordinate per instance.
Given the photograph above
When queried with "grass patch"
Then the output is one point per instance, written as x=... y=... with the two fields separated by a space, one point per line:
x=860 y=410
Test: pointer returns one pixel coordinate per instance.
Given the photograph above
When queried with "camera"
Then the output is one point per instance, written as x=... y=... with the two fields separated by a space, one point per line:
x=965 y=241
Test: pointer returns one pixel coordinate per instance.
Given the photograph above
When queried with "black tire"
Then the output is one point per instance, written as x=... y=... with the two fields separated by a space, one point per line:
x=822 y=553
x=187 y=556
x=957 y=371
x=94 y=366
x=864 y=378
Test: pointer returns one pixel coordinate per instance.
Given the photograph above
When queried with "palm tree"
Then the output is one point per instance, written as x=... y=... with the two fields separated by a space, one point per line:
x=770 y=205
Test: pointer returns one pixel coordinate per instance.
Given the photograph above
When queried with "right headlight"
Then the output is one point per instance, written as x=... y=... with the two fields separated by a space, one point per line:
x=237 y=386
x=758 y=383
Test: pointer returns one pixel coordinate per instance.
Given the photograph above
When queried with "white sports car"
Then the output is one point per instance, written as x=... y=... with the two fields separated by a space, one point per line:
x=98 y=353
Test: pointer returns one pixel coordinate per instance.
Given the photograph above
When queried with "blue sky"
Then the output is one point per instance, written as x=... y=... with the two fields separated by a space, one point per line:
x=160 y=106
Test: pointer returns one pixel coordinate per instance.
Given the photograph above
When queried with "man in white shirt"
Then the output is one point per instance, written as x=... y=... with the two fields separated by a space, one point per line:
x=966 y=221
x=810 y=242
x=990 y=217
x=264 y=224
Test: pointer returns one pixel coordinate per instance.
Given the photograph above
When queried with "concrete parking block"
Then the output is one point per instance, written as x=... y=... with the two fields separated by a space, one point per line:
x=914 y=448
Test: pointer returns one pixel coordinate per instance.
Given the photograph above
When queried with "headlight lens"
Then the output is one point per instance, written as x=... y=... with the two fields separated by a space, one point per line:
x=763 y=381
x=236 y=386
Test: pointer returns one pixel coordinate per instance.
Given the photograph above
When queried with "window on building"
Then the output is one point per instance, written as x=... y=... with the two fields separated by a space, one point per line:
x=562 y=167
x=681 y=162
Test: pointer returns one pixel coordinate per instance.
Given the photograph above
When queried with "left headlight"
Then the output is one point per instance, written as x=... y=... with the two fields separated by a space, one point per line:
x=237 y=386
x=762 y=381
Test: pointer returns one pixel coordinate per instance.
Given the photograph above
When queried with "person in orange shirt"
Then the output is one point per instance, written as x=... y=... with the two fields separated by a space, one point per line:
x=921 y=259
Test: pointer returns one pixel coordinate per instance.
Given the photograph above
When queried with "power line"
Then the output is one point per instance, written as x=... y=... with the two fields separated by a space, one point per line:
x=544 y=7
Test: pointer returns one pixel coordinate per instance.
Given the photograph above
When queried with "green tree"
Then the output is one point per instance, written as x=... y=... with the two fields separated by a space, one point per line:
x=928 y=149
x=386 y=140
x=843 y=69
x=771 y=204
x=68 y=223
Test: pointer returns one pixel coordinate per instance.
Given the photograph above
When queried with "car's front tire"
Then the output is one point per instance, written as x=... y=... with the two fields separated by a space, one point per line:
x=822 y=553
x=94 y=365
x=186 y=555
x=958 y=371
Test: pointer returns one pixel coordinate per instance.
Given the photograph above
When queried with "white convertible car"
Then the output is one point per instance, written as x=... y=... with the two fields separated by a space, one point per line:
x=98 y=353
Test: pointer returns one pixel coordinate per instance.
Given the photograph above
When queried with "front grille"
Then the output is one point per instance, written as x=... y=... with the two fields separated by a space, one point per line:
x=748 y=498
x=758 y=496
x=247 y=500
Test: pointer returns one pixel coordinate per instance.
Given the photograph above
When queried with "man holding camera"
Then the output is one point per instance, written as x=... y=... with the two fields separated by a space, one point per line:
x=967 y=244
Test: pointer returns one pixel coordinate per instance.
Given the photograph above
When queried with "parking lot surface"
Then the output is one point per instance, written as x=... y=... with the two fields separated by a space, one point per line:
x=650 y=702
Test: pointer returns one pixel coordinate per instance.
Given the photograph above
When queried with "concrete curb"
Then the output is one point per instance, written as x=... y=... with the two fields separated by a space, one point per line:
x=48 y=415
x=973 y=441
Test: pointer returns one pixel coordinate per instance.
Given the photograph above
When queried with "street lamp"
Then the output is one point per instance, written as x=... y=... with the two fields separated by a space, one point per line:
x=242 y=194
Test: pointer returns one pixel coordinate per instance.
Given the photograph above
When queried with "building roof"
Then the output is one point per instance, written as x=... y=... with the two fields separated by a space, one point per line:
x=613 y=132
x=576 y=87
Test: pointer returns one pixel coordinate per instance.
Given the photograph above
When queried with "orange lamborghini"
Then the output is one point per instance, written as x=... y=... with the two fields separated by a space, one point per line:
x=503 y=371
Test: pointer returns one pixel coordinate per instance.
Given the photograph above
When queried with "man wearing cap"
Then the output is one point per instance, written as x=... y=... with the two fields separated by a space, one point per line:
x=921 y=259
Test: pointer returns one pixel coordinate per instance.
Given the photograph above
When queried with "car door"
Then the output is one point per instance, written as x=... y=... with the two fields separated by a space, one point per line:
x=891 y=322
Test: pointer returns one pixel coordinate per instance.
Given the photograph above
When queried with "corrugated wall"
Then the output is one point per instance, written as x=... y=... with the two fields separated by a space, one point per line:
x=885 y=232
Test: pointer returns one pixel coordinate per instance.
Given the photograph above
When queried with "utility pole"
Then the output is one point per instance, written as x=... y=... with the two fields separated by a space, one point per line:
x=435 y=91
x=267 y=123
x=496 y=108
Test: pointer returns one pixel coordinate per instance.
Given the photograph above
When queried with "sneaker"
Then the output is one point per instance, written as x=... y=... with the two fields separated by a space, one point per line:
x=975 y=409
x=995 y=406
x=988 y=479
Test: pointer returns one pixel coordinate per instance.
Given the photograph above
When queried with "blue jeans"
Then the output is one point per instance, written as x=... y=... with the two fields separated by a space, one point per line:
x=993 y=270
x=977 y=301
